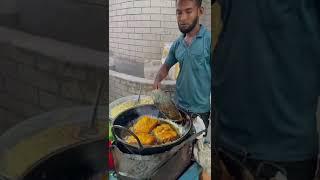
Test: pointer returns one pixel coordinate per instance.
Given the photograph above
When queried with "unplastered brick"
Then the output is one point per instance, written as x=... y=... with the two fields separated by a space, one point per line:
x=142 y=30
x=153 y=10
x=134 y=11
x=142 y=3
x=168 y=10
x=151 y=37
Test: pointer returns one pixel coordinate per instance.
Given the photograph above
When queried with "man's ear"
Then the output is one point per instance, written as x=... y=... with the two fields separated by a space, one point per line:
x=201 y=11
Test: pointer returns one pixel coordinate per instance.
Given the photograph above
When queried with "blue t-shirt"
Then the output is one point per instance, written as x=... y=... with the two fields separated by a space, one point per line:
x=193 y=84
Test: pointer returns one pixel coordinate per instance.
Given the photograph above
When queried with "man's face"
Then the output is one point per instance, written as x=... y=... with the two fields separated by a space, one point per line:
x=187 y=15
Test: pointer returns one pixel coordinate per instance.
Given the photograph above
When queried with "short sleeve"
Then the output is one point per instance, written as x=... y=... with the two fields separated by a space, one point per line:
x=171 y=58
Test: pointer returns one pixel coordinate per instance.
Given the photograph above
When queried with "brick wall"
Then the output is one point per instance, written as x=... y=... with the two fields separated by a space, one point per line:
x=138 y=29
x=33 y=81
x=121 y=85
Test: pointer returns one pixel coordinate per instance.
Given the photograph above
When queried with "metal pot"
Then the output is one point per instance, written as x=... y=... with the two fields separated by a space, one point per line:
x=127 y=118
x=133 y=166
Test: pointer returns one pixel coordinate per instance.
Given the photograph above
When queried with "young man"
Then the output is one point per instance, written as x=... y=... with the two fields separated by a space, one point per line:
x=192 y=51
x=267 y=80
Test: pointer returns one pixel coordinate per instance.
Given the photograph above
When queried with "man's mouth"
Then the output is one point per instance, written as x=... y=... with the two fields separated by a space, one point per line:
x=184 y=25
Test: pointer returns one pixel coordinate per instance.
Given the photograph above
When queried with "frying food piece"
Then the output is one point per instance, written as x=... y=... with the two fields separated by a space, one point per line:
x=163 y=127
x=145 y=124
x=145 y=139
x=165 y=133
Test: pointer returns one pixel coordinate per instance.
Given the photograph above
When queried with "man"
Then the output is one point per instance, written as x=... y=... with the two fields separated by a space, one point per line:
x=267 y=79
x=192 y=51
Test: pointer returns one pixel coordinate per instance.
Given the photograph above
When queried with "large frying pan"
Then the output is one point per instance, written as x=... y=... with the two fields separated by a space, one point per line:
x=126 y=119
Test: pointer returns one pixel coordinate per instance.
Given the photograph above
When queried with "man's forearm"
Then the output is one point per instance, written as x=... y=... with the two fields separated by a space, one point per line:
x=163 y=72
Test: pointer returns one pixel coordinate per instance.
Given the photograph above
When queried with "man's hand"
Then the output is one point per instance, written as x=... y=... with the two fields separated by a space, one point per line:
x=163 y=72
x=156 y=84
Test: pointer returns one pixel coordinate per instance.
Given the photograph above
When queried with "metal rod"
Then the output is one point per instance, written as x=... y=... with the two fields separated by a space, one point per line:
x=139 y=93
x=99 y=96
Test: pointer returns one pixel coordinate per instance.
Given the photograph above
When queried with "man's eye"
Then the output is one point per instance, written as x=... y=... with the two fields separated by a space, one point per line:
x=179 y=13
x=189 y=12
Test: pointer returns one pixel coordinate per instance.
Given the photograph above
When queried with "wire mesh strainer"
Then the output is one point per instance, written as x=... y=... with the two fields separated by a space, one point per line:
x=164 y=103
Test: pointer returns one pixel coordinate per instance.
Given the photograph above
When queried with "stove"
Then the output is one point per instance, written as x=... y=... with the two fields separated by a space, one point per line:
x=155 y=167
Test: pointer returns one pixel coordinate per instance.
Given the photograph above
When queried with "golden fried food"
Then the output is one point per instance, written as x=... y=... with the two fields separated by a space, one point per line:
x=163 y=127
x=165 y=133
x=145 y=139
x=145 y=124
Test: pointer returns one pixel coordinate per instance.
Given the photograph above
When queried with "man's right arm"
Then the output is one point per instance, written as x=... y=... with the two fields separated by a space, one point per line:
x=162 y=73
x=165 y=67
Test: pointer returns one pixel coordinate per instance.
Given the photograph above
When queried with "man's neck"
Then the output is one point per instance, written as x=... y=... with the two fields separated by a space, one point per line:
x=194 y=32
x=190 y=35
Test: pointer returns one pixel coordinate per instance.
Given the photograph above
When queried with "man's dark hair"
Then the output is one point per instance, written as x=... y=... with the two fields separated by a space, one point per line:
x=198 y=2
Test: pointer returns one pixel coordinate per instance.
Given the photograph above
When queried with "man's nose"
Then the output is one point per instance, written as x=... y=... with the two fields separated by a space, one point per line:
x=183 y=17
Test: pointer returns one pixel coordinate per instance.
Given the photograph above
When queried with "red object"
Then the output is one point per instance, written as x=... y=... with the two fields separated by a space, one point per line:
x=110 y=158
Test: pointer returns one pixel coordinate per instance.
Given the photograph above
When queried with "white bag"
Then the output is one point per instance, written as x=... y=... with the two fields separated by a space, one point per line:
x=202 y=154
x=174 y=71
x=202 y=149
